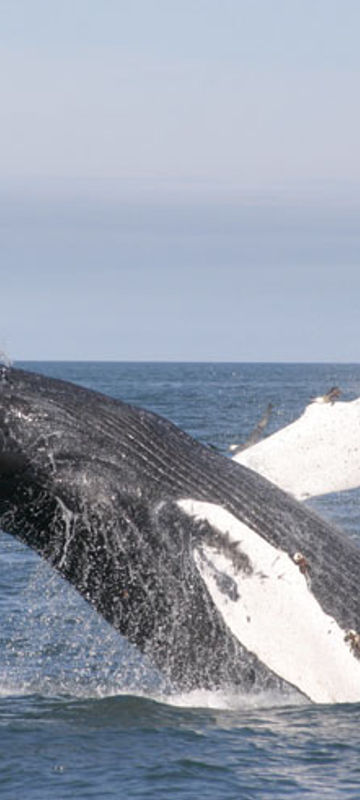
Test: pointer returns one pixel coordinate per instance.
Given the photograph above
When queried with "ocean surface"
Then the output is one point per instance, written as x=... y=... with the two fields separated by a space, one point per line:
x=82 y=715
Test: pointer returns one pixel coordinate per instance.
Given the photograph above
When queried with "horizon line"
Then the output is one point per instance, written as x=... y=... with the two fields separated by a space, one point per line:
x=171 y=361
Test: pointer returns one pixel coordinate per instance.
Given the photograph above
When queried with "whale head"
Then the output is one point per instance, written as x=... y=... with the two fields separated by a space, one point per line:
x=46 y=447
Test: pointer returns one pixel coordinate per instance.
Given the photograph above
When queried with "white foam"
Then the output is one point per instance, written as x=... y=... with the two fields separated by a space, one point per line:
x=229 y=700
x=317 y=454
x=276 y=616
x=217 y=700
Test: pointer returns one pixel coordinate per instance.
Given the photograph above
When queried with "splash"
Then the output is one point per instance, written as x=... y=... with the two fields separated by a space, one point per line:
x=231 y=700
x=5 y=360
x=55 y=644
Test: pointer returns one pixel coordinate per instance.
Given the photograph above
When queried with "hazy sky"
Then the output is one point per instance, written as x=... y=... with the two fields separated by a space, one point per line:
x=180 y=179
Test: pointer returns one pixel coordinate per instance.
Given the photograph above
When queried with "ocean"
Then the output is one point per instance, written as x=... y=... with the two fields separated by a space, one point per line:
x=81 y=713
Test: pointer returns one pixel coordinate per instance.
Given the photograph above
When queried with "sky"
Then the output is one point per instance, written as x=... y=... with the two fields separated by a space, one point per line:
x=180 y=180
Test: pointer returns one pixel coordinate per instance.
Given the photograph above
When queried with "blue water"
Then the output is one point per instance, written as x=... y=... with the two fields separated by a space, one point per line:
x=82 y=715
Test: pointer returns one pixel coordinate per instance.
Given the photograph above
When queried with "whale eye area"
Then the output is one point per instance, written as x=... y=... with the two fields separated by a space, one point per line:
x=10 y=463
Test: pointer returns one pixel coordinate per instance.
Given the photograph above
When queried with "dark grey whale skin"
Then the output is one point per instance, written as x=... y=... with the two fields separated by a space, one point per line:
x=92 y=484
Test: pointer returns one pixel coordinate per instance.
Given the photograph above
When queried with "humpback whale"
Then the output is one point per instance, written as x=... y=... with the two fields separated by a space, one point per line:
x=217 y=575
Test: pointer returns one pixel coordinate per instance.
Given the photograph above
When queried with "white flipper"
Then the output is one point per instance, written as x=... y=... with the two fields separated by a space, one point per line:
x=317 y=454
x=273 y=611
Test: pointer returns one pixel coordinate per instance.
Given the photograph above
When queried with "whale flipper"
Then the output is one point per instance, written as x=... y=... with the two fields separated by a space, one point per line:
x=315 y=455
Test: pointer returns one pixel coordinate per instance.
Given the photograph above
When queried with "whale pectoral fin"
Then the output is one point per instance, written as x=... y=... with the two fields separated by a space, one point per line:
x=315 y=455
x=265 y=598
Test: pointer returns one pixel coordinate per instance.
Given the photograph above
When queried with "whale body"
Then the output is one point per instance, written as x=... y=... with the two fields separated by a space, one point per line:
x=217 y=575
